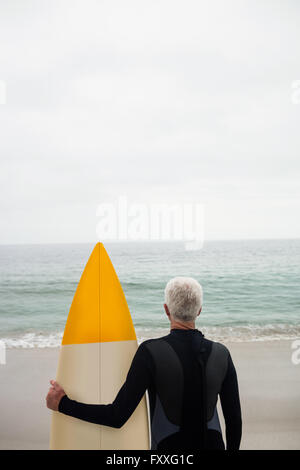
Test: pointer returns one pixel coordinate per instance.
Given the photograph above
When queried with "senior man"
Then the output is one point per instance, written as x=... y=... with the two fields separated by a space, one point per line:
x=184 y=373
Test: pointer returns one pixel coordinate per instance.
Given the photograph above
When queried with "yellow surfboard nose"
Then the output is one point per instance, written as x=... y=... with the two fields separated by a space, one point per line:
x=99 y=311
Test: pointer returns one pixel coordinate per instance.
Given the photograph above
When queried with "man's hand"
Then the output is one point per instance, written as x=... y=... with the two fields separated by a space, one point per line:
x=56 y=392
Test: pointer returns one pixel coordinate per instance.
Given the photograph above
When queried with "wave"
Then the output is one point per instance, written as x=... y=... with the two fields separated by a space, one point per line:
x=236 y=334
x=33 y=340
x=241 y=333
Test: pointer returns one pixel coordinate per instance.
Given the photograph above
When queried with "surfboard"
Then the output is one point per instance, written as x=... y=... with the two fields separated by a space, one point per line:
x=97 y=348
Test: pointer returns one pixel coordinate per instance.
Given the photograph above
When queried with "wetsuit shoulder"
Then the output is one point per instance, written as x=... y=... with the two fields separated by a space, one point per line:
x=220 y=346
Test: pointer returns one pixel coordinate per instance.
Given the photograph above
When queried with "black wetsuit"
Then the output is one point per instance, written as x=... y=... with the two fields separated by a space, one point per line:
x=183 y=373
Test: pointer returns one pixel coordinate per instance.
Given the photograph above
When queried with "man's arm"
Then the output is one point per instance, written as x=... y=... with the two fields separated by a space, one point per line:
x=117 y=413
x=231 y=407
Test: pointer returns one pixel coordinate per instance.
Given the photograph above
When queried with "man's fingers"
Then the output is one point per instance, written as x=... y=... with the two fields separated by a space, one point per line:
x=55 y=385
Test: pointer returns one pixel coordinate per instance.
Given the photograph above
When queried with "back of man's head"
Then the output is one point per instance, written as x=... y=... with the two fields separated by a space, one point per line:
x=183 y=296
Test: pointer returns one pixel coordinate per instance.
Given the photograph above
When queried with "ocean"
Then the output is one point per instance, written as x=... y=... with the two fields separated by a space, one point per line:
x=251 y=288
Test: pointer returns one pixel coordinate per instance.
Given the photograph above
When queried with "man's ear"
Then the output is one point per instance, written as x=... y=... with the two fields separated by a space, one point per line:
x=199 y=312
x=167 y=310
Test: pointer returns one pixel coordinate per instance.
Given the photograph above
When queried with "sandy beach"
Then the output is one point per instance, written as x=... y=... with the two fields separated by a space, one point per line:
x=269 y=387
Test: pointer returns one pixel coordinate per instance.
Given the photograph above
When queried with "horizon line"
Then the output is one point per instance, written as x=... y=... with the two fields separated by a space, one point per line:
x=149 y=241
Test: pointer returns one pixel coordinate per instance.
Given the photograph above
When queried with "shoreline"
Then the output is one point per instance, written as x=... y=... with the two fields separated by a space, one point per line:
x=251 y=333
x=269 y=386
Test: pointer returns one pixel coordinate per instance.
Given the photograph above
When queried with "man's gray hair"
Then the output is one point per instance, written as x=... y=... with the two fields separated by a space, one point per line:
x=183 y=296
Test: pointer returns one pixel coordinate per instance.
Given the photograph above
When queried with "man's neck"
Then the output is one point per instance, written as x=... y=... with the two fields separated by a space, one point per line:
x=178 y=325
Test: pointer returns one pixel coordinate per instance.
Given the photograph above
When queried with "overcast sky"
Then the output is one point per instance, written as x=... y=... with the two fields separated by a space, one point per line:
x=160 y=101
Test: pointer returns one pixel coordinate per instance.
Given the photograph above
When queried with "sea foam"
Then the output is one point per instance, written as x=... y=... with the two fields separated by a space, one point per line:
x=236 y=334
